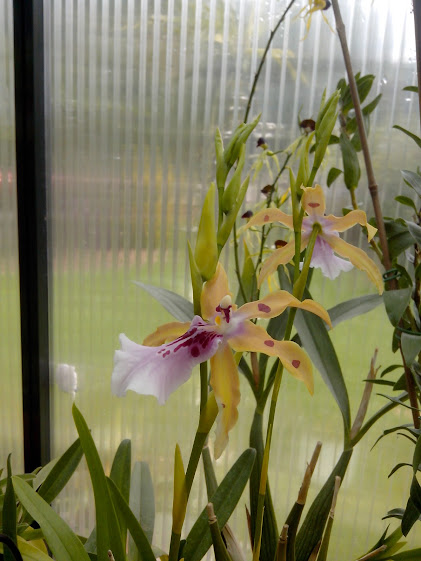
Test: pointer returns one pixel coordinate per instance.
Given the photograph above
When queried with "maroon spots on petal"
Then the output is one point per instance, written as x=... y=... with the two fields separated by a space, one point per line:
x=166 y=354
x=314 y=205
x=266 y=218
x=296 y=363
x=263 y=308
x=195 y=351
x=269 y=343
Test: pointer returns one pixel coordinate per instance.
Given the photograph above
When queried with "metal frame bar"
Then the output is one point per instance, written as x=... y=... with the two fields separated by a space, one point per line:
x=32 y=227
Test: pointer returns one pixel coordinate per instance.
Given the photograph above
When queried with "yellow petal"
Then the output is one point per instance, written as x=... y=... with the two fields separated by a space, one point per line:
x=280 y=256
x=226 y=386
x=268 y=215
x=256 y=339
x=275 y=303
x=358 y=258
x=313 y=201
x=213 y=292
x=342 y=223
x=166 y=332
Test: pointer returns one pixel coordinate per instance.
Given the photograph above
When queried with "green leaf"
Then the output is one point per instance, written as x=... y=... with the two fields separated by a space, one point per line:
x=64 y=544
x=413 y=180
x=415 y=493
x=416 y=461
x=390 y=369
x=411 y=555
x=30 y=552
x=142 y=502
x=270 y=532
x=398 y=466
x=333 y=174
x=138 y=535
x=406 y=201
x=411 y=346
x=353 y=307
x=414 y=137
x=352 y=170
x=107 y=526
x=120 y=474
x=248 y=277
x=370 y=107
x=9 y=513
x=410 y=516
x=317 y=343
x=224 y=501
x=410 y=89
x=415 y=231
x=176 y=305
x=396 y=302
x=312 y=528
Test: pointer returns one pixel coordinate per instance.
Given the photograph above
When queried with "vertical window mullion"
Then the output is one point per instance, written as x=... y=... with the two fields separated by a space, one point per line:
x=32 y=227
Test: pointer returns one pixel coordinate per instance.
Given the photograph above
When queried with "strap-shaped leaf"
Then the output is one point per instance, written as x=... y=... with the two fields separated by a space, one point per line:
x=354 y=307
x=176 y=305
x=120 y=474
x=412 y=179
x=9 y=513
x=317 y=343
x=144 y=549
x=410 y=516
x=414 y=137
x=107 y=526
x=142 y=500
x=62 y=541
x=224 y=501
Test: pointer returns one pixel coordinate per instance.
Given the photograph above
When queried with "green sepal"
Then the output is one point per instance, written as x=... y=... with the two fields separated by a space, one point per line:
x=304 y=168
x=206 y=250
x=239 y=138
x=221 y=167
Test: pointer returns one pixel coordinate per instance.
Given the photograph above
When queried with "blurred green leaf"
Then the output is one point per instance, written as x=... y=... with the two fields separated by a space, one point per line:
x=176 y=305
x=414 y=137
x=390 y=369
x=352 y=170
x=107 y=526
x=410 y=89
x=353 y=307
x=224 y=501
x=142 y=500
x=396 y=302
x=398 y=237
x=415 y=231
x=397 y=467
x=406 y=201
x=412 y=179
x=410 y=516
x=64 y=544
x=143 y=547
x=120 y=474
x=333 y=174
x=411 y=346
x=317 y=343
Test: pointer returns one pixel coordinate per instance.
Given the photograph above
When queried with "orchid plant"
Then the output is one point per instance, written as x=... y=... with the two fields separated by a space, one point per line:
x=221 y=333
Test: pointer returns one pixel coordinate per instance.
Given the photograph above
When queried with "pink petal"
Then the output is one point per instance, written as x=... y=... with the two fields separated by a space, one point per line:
x=160 y=370
x=324 y=259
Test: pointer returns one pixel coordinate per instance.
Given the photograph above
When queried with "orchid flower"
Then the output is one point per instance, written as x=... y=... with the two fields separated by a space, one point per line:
x=312 y=7
x=327 y=243
x=159 y=367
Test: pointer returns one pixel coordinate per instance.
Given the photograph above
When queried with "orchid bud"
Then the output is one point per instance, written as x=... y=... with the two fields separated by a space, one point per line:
x=206 y=250
x=180 y=493
x=230 y=194
x=241 y=134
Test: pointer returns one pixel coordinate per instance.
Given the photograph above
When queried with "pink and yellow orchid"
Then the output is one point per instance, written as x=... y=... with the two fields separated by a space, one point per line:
x=327 y=241
x=159 y=367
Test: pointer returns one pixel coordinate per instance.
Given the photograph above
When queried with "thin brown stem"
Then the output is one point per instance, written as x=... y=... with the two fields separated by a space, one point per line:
x=372 y=184
x=259 y=70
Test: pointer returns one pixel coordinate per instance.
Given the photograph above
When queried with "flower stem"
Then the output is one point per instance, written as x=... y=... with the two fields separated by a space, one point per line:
x=298 y=292
x=262 y=61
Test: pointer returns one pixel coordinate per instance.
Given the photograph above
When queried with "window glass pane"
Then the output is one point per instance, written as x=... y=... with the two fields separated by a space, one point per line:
x=137 y=89
x=10 y=363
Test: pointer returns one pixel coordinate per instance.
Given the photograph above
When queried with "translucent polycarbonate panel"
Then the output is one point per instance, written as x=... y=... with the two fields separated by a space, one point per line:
x=136 y=91
x=11 y=439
